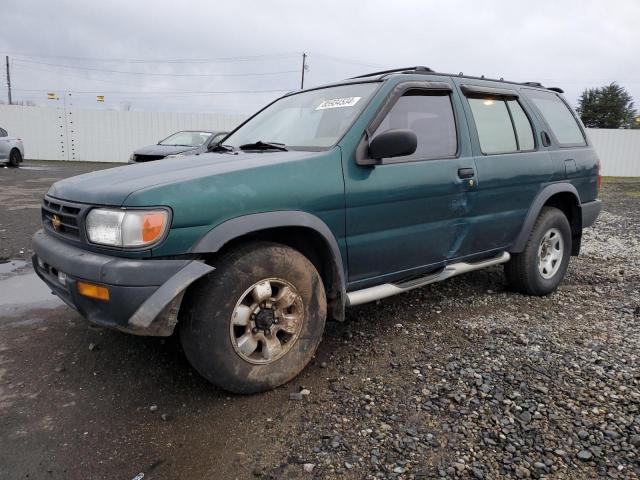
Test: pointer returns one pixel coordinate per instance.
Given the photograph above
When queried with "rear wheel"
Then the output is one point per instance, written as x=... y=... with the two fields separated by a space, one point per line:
x=541 y=266
x=255 y=322
x=14 y=158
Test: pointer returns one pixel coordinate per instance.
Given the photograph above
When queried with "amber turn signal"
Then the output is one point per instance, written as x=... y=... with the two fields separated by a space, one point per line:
x=93 y=291
x=153 y=226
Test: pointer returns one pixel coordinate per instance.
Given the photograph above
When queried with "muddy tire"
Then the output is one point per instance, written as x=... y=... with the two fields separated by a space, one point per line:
x=256 y=321
x=14 y=158
x=541 y=266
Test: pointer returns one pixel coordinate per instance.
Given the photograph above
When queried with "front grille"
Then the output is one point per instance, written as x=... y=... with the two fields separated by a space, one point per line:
x=147 y=158
x=61 y=217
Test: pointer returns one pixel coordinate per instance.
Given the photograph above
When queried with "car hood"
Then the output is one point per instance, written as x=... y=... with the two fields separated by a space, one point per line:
x=163 y=149
x=112 y=186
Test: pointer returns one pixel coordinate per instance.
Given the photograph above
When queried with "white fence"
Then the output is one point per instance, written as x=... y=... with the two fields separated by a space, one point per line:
x=99 y=135
x=619 y=151
x=111 y=136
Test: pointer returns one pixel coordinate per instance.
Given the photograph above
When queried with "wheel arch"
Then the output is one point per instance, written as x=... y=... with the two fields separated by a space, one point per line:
x=563 y=196
x=299 y=230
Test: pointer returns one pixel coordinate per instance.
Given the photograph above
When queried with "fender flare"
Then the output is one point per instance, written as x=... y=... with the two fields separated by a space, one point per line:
x=234 y=228
x=535 y=208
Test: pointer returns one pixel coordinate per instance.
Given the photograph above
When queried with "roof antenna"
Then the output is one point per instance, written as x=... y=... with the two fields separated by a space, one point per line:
x=460 y=74
x=482 y=77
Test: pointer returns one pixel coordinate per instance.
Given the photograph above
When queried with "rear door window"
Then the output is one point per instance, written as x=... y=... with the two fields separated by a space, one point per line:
x=558 y=116
x=493 y=124
x=502 y=125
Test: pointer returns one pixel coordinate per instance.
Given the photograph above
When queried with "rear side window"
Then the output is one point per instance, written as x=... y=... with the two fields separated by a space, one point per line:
x=502 y=125
x=430 y=116
x=3 y=132
x=559 y=117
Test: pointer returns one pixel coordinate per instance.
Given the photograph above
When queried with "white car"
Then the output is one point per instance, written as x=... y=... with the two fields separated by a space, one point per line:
x=11 y=149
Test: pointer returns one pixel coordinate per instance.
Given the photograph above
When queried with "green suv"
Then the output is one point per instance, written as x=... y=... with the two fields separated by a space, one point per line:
x=326 y=198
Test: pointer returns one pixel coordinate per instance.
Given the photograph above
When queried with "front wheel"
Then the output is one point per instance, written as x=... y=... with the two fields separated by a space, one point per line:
x=255 y=322
x=541 y=266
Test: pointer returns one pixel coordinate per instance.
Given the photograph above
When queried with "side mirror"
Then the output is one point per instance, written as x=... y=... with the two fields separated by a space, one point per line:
x=393 y=143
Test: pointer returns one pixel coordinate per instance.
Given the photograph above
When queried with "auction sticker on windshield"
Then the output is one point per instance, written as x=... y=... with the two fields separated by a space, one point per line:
x=338 y=103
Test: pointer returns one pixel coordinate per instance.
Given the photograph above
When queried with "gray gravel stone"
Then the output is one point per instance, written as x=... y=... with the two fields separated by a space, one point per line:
x=584 y=455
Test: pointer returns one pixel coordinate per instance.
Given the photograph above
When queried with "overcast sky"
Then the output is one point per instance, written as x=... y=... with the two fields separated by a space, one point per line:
x=90 y=47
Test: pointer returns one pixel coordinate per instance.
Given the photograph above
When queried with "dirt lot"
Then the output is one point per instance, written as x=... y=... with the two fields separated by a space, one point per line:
x=462 y=379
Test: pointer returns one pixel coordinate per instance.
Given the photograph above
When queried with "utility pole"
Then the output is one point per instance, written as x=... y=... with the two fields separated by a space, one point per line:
x=304 y=67
x=8 y=80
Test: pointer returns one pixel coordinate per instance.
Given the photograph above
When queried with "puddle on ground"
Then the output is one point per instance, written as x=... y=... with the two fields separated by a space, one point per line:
x=33 y=167
x=8 y=266
x=23 y=292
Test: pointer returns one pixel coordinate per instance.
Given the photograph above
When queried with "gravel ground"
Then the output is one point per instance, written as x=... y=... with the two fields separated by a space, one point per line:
x=466 y=379
x=461 y=379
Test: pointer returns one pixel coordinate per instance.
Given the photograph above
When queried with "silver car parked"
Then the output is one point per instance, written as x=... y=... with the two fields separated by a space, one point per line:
x=11 y=149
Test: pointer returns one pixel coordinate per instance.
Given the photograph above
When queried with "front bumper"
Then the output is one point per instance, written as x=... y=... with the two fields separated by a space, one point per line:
x=144 y=295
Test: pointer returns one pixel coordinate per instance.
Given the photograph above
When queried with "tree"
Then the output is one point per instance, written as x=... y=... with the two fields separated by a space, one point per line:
x=607 y=107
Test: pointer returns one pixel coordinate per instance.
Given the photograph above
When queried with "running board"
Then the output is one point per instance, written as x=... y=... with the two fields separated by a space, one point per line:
x=370 y=294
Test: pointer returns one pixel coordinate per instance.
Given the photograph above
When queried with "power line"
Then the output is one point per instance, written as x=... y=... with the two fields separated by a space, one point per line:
x=158 y=74
x=154 y=94
x=245 y=58
x=75 y=75
x=347 y=60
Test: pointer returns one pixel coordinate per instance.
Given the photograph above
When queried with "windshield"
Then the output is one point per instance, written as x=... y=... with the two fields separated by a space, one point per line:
x=187 y=139
x=312 y=119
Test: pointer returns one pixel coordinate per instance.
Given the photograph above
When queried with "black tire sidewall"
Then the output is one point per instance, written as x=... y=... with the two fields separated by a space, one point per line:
x=204 y=326
x=14 y=158
x=550 y=218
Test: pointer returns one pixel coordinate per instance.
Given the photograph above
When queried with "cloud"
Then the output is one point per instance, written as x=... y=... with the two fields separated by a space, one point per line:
x=571 y=44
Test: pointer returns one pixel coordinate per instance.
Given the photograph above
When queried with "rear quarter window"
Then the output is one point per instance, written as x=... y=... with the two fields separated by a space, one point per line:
x=559 y=117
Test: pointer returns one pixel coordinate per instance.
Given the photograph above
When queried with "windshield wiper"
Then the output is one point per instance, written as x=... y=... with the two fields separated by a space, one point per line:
x=260 y=145
x=218 y=147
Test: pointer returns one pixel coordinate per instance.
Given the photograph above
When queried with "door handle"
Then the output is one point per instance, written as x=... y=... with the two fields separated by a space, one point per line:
x=466 y=172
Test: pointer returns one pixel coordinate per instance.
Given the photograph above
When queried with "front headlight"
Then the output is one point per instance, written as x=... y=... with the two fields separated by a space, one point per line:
x=126 y=228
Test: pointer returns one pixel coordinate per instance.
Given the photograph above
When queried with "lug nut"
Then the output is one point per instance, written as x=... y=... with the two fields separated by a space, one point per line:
x=254 y=330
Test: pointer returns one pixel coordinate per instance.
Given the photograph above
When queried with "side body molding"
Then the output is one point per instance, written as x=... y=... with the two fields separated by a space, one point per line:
x=535 y=208
x=215 y=239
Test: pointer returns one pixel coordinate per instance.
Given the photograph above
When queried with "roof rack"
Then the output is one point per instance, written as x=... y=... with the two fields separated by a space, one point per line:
x=416 y=69
x=539 y=85
x=427 y=70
